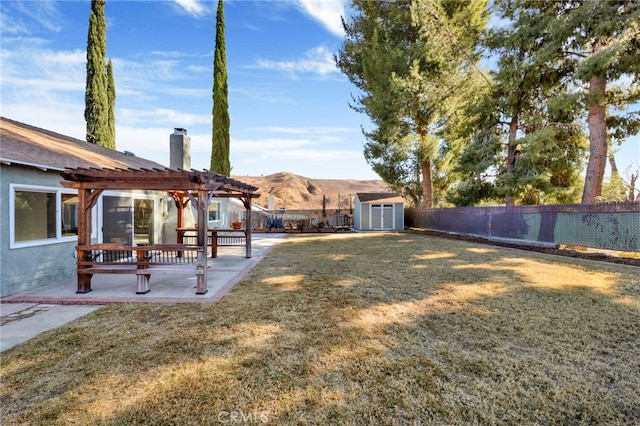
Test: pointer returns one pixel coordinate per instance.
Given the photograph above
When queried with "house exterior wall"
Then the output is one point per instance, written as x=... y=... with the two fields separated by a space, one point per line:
x=25 y=268
x=227 y=211
x=365 y=217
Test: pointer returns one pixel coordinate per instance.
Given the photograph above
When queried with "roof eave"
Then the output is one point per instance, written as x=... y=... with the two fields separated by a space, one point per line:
x=43 y=167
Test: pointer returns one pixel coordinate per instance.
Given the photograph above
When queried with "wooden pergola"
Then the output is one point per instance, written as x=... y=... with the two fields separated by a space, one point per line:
x=196 y=187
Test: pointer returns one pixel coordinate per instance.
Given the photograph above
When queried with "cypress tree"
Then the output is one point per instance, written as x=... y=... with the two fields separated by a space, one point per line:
x=111 y=96
x=96 y=112
x=220 y=136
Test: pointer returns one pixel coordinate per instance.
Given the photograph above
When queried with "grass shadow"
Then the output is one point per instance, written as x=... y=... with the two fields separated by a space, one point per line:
x=353 y=329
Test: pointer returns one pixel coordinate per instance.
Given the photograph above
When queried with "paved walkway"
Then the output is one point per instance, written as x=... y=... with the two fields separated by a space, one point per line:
x=25 y=315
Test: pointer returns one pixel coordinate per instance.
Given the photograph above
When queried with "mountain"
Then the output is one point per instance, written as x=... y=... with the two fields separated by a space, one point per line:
x=294 y=192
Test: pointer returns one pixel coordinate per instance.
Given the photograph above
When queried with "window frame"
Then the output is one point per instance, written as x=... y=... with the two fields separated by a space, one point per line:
x=59 y=238
x=218 y=210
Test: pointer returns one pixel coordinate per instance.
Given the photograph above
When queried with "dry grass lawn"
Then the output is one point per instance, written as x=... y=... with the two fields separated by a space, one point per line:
x=354 y=329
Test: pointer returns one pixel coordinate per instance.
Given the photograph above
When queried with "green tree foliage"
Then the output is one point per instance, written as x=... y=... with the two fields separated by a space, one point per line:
x=517 y=135
x=621 y=187
x=111 y=96
x=600 y=41
x=376 y=46
x=527 y=147
x=408 y=59
x=98 y=101
x=220 y=139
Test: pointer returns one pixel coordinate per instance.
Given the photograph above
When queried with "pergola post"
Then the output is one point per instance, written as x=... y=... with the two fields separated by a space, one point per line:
x=247 y=205
x=203 y=231
x=86 y=200
x=84 y=237
x=180 y=202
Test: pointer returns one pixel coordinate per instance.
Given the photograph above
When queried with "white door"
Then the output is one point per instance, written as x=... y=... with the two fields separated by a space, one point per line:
x=382 y=216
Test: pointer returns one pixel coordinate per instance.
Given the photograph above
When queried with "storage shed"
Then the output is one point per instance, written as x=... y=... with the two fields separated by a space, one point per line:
x=378 y=211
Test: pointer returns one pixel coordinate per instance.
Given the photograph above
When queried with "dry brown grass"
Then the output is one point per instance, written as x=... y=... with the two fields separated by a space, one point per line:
x=354 y=329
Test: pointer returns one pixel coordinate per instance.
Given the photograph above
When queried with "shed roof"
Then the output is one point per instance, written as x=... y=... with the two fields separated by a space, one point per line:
x=379 y=197
x=32 y=146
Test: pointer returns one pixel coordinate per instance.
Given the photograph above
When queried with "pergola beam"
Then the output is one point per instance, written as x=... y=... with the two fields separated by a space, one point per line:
x=182 y=185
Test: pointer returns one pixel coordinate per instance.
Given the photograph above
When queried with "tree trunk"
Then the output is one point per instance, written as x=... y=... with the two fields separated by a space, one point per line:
x=597 y=123
x=632 y=188
x=427 y=183
x=425 y=165
x=612 y=163
x=511 y=157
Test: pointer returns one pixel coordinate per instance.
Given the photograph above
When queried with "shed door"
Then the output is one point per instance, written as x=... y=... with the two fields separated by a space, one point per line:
x=382 y=216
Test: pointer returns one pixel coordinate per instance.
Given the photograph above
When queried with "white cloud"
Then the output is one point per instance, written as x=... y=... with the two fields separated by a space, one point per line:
x=262 y=94
x=54 y=114
x=38 y=14
x=292 y=149
x=305 y=130
x=31 y=71
x=318 y=60
x=327 y=12
x=192 y=7
x=131 y=117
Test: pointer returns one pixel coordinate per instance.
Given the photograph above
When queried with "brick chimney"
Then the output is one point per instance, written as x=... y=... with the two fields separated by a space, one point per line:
x=180 y=149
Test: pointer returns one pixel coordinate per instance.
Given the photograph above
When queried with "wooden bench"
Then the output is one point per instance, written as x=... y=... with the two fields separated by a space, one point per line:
x=142 y=260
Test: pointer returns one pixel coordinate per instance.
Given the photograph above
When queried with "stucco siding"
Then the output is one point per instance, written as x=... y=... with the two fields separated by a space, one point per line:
x=30 y=267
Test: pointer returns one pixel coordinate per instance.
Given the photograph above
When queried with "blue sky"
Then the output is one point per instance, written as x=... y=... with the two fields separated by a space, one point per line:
x=287 y=100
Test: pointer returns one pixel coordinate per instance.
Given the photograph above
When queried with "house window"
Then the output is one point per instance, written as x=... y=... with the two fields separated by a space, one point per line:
x=41 y=215
x=35 y=215
x=143 y=220
x=69 y=215
x=214 y=210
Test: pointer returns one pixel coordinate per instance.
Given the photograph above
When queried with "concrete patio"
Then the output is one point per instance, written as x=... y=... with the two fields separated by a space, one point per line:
x=24 y=315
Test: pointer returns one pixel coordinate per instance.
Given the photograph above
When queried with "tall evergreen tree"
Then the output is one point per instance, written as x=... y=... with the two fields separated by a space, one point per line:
x=600 y=40
x=97 y=103
x=528 y=146
x=111 y=96
x=377 y=46
x=220 y=138
x=403 y=56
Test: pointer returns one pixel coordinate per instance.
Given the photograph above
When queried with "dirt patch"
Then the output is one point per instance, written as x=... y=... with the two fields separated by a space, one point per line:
x=569 y=250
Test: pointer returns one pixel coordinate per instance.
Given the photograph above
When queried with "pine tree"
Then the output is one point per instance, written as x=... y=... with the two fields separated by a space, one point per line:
x=528 y=144
x=600 y=41
x=97 y=103
x=220 y=138
x=377 y=46
x=403 y=56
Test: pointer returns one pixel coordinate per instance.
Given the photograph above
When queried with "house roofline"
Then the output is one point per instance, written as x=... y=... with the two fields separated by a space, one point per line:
x=43 y=167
